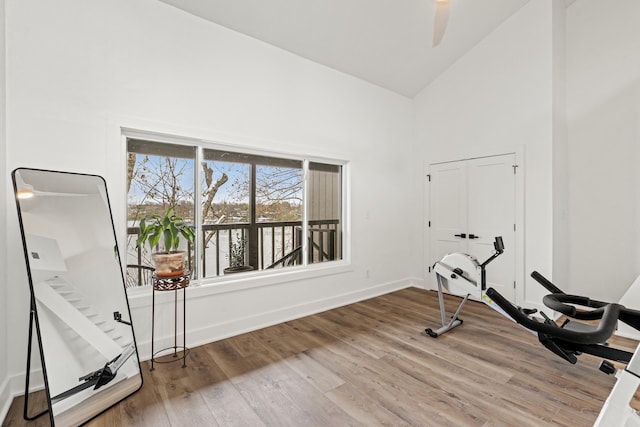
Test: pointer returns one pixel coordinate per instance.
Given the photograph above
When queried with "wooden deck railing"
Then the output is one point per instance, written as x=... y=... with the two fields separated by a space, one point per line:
x=269 y=245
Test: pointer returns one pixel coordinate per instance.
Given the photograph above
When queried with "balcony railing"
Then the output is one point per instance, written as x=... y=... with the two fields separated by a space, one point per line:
x=269 y=245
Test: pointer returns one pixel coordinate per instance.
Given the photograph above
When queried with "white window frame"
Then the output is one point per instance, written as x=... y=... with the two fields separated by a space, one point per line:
x=222 y=283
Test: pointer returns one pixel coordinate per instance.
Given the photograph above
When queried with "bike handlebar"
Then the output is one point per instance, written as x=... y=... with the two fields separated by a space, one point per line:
x=546 y=283
x=558 y=299
x=558 y=302
x=605 y=329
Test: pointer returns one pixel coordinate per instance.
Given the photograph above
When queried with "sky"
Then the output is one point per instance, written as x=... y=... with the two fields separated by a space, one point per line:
x=150 y=169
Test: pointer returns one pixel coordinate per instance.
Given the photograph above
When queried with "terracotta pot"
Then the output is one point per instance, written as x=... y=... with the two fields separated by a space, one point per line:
x=169 y=264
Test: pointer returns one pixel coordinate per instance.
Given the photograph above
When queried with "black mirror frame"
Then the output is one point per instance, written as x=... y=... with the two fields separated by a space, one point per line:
x=33 y=314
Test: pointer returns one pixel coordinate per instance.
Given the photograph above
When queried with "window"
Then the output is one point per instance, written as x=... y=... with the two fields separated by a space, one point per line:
x=158 y=176
x=250 y=212
x=324 y=211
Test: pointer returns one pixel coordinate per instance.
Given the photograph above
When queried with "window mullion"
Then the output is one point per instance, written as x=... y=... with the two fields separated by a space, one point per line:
x=253 y=229
x=305 y=210
x=197 y=215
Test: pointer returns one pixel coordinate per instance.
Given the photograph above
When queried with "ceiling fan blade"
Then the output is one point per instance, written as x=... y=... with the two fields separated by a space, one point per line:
x=440 y=21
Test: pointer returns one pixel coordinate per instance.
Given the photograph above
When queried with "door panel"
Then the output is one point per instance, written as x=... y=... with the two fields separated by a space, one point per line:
x=476 y=198
x=448 y=208
x=491 y=208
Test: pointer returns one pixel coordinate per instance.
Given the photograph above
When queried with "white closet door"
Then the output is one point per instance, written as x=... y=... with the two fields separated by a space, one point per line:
x=491 y=213
x=472 y=202
x=448 y=209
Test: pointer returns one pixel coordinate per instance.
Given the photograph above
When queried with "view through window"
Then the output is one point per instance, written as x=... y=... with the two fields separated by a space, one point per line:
x=251 y=208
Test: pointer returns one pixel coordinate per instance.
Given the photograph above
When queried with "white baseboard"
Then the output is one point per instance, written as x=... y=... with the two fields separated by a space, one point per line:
x=203 y=335
x=420 y=284
x=6 y=398
x=626 y=331
x=13 y=386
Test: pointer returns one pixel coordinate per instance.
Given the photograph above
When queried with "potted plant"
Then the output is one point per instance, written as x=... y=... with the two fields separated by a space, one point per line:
x=237 y=256
x=166 y=230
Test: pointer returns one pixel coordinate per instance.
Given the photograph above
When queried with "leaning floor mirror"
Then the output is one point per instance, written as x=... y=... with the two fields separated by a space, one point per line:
x=79 y=304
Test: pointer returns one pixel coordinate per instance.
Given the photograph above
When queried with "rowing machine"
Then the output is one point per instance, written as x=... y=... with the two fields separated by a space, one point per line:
x=462 y=275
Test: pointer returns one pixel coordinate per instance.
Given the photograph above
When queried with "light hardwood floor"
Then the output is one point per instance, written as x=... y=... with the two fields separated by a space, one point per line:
x=368 y=364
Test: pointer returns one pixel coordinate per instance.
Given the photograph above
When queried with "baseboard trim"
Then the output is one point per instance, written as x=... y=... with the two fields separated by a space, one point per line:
x=212 y=333
x=625 y=331
x=6 y=397
x=13 y=386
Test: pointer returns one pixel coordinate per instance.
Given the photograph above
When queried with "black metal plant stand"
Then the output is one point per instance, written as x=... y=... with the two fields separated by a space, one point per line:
x=172 y=283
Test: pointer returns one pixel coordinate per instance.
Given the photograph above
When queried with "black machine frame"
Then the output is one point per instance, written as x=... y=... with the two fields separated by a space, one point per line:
x=572 y=337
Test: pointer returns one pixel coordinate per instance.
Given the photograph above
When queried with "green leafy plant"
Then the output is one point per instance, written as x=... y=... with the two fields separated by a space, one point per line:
x=238 y=247
x=165 y=228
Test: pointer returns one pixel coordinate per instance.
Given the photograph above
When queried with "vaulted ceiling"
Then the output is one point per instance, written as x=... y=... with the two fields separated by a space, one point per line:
x=385 y=42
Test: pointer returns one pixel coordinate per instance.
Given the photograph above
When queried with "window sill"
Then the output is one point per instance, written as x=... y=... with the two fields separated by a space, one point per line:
x=139 y=297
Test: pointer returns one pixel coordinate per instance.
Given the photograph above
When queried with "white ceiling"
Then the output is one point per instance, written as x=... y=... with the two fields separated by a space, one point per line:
x=384 y=42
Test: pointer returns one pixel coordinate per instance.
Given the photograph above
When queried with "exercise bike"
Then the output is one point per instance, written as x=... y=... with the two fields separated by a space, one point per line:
x=572 y=338
x=462 y=275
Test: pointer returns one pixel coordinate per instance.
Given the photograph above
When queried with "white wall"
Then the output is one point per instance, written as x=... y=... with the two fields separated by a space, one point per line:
x=500 y=95
x=560 y=162
x=4 y=184
x=576 y=109
x=78 y=70
x=603 y=112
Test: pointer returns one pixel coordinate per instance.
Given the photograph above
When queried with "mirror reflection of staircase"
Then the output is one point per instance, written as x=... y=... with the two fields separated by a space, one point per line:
x=84 y=319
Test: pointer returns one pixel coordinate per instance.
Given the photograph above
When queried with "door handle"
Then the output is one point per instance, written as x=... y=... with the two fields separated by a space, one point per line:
x=463 y=235
x=473 y=236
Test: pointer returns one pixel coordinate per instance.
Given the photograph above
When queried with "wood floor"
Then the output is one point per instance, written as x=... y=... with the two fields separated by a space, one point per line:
x=368 y=364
